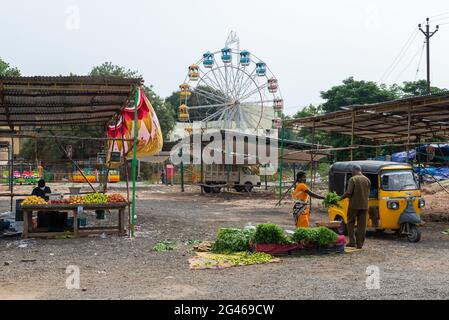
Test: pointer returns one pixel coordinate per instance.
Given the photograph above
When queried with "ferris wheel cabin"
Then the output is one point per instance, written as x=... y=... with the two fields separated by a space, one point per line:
x=194 y=73
x=226 y=55
x=208 y=60
x=273 y=85
x=245 y=58
x=261 y=69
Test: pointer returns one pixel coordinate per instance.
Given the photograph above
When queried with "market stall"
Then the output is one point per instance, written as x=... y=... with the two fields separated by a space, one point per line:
x=76 y=230
x=41 y=107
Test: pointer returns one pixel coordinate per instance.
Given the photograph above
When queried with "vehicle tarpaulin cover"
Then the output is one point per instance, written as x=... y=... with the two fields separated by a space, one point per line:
x=149 y=134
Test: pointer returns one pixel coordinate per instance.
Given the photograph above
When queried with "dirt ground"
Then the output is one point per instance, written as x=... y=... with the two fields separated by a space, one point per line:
x=124 y=268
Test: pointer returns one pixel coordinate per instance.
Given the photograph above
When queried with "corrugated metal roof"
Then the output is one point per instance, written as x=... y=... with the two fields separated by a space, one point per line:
x=62 y=100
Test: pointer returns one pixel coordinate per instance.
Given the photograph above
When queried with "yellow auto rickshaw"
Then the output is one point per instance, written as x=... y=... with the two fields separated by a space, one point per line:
x=395 y=201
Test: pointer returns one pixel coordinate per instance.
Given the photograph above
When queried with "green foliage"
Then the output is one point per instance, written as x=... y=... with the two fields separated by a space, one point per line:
x=332 y=199
x=416 y=88
x=321 y=235
x=163 y=246
x=7 y=71
x=111 y=70
x=353 y=92
x=269 y=233
x=231 y=240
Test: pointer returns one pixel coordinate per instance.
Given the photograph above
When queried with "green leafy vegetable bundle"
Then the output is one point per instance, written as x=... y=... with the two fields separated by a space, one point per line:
x=332 y=199
x=269 y=233
x=321 y=235
x=231 y=240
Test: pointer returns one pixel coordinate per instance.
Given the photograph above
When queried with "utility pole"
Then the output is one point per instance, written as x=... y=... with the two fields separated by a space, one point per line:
x=428 y=35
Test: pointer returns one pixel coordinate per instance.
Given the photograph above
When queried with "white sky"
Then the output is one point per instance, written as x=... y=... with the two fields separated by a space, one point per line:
x=309 y=45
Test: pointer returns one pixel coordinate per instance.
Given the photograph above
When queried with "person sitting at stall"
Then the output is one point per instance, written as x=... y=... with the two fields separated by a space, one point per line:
x=41 y=190
x=301 y=195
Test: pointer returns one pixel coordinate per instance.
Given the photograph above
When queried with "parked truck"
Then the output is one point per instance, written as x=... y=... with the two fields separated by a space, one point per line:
x=240 y=177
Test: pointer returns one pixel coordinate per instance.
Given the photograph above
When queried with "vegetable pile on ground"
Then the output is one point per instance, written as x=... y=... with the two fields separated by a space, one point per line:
x=321 y=235
x=232 y=240
x=269 y=233
x=332 y=199
x=207 y=260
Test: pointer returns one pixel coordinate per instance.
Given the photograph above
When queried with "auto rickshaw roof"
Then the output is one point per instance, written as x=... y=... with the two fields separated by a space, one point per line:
x=368 y=166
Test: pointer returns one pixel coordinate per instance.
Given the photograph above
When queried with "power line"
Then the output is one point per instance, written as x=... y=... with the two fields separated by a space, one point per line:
x=440 y=14
x=419 y=62
x=409 y=63
x=400 y=55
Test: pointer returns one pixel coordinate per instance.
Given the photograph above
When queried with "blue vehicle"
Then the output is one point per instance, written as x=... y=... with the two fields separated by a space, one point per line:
x=208 y=61
x=261 y=69
x=226 y=56
x=245 y=58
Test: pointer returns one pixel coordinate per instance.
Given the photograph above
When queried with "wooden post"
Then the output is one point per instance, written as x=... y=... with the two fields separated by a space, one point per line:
x=352 y=135
x=408 y=133
x=127 y=181
x=11 y=176
x=312 y=154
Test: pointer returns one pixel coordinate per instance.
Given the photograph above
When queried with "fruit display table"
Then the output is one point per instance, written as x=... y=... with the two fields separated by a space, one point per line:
x=29 y=231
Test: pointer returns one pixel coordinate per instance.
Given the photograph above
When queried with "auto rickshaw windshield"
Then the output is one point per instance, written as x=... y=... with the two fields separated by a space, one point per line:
x=398 y=180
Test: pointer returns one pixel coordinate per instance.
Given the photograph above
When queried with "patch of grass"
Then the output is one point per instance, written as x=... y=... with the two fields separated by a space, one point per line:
x=192 y=242
x=166 y=245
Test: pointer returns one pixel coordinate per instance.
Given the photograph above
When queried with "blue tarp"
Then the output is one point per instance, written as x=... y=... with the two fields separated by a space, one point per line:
x=437 y=173
x=402 y=156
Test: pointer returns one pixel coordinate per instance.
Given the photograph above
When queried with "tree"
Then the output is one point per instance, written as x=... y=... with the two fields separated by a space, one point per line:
x=7 y=71
x=353 y=92
x=107 y=69
x=416 y=88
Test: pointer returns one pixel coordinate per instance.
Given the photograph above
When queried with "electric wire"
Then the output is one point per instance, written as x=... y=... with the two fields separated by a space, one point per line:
x=400 y=55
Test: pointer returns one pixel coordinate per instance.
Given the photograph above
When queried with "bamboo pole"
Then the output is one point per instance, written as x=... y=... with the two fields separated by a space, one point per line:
x=127 y=182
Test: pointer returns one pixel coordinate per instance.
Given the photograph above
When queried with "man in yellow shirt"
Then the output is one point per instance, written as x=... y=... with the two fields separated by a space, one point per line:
x=302 y=195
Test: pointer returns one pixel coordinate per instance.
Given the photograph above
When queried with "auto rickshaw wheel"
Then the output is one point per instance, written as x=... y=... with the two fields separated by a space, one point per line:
x=414 y=234
x=342 y=229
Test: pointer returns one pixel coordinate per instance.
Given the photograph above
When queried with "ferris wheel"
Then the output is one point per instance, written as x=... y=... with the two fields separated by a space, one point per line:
x=231 y=89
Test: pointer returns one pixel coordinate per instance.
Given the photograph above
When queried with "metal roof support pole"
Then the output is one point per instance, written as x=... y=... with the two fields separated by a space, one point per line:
x=352 y=134
x=133 y=210
x=182 y=175
x=281 y=162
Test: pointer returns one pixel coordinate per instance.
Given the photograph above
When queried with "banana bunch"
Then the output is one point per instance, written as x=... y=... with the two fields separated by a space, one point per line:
x=33 y=200
x=96 y=198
